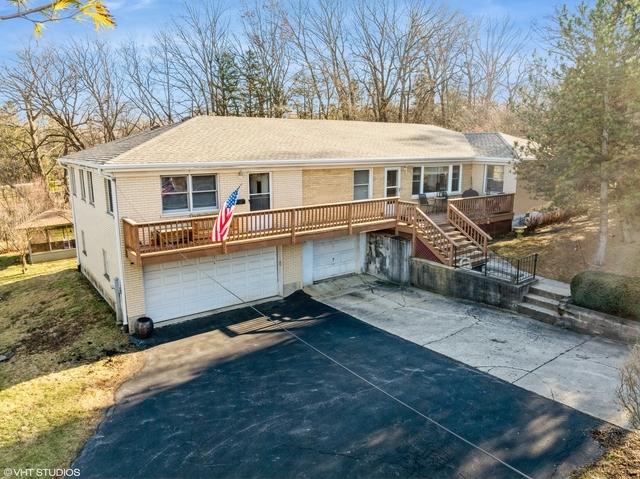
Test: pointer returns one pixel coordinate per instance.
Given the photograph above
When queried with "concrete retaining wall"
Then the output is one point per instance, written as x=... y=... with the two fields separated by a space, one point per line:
x=52 y=255
x=588 y=321
x=461 y=283
x=388 y=256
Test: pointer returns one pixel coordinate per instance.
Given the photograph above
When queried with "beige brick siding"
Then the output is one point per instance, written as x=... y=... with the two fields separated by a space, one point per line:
x=99 y=229
x=327 y=185
x=291 y=268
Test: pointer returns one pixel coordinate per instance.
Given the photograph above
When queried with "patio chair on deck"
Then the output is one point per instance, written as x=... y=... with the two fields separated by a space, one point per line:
x=427 y=205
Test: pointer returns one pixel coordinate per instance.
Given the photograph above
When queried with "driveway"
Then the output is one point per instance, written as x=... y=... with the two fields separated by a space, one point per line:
x=313 y=392
x=575 y=369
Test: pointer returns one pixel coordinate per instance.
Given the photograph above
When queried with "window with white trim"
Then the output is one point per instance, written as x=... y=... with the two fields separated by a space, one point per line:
x=456 y=176
x=494 y=179
x=392 y=182
x=72 y=181
x=108 y=194
x=90 y=187
x=361 y=184
x=83 y=191
x=432 y=180
x=183 y=193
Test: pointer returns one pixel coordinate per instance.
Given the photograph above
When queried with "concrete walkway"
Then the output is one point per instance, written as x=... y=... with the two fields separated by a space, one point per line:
x=577 y=370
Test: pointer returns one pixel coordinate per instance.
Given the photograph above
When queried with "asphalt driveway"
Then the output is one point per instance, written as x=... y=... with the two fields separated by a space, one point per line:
x=314 y=392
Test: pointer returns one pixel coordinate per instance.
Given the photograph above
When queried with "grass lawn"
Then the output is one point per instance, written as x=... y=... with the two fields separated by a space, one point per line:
x=568 y=248
x=68 y=359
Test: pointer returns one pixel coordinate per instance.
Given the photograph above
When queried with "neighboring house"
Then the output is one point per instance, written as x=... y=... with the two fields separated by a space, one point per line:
x=310 y=192
x=50 y=236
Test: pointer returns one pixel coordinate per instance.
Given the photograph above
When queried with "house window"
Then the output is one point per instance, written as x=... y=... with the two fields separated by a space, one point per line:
x=189 y=193
x=361 y=184
x=84 y=243
x=455 y=179
x=72 y=181
x=204 y=194
x=416 y=183
x=83 y=191
x=90 y=186
x=108 y=194
x=175 y=193
x=392 y=182
x=105 y=264
x=259 y=192
x=436 y=179
x=494 y=179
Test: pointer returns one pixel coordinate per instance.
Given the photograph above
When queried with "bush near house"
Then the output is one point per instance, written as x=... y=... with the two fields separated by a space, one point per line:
x=607 y=292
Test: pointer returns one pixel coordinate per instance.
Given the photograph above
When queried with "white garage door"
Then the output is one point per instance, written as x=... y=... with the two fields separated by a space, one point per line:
x=181 y=288
x=334 y=257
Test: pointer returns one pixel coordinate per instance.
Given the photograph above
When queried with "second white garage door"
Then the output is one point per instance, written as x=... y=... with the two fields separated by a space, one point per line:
x=334 y=257
x=182 y=288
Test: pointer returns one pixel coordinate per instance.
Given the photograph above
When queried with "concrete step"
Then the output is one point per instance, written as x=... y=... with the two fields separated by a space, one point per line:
x=551 y=292
x=542 y=301
x=538 y=312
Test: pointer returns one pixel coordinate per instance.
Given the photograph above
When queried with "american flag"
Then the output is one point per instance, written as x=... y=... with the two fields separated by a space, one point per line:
x=221 y=226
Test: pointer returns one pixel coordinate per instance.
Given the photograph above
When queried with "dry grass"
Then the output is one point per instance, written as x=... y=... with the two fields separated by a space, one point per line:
x=68 y=358
x=568 y=248
x=621 y=459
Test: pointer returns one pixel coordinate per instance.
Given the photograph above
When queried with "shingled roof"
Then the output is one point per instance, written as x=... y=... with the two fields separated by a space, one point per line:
x=105 y=152
x=496 y=145
x=48 y=219
x=211 y=139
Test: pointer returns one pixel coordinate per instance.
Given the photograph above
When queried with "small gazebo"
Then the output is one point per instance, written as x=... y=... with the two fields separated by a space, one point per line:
x=50 y=236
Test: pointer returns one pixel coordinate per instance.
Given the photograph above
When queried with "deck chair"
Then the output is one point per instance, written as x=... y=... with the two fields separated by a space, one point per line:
x=425 y=203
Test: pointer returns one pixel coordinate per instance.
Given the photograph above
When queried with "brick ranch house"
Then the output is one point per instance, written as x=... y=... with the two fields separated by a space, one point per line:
x=310 y=193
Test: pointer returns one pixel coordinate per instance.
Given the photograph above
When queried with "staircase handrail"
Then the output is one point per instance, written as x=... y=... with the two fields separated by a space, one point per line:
x=444 y=245
x=468 y=228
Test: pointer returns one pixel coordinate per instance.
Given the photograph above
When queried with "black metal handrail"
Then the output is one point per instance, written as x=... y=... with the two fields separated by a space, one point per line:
x=513 y=270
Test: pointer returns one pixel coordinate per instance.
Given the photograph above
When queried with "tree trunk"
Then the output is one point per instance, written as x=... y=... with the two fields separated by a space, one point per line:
x=603 y=232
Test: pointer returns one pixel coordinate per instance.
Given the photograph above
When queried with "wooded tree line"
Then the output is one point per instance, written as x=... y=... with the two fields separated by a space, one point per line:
x=378 y=60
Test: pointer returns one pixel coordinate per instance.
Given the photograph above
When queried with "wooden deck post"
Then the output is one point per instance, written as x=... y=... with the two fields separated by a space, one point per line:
x=350 y=218
x=397 y=214
x=292 y=225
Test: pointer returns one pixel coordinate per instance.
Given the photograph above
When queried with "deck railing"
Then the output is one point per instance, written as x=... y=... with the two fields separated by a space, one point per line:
x=481 y=209
x=468 y=228
x=287 y=223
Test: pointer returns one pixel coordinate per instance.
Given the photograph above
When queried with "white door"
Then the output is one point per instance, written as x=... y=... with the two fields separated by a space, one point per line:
x=181 y=288
x=334 y=257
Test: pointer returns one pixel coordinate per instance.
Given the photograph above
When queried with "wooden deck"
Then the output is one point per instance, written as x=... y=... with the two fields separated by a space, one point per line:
x=185 y=238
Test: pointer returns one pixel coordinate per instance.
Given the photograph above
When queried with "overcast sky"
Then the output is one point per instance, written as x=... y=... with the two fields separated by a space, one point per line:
x=138 y=19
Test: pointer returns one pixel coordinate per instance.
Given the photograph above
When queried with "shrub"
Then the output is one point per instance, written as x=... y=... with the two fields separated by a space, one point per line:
x=538 y=219
x=607 y=292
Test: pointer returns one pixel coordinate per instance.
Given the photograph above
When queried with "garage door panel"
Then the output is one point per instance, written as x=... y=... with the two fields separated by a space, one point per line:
x=183 y=288
x=334 y=257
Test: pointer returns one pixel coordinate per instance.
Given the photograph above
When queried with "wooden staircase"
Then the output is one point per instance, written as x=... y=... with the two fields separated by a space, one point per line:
x=451 y=238
x=468 y=254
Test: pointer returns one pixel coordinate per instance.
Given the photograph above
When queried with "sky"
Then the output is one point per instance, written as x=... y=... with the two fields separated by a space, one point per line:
x=138 y=19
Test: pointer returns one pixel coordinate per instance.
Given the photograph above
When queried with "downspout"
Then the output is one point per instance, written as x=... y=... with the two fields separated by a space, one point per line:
x=116 y=213
x=72 y=199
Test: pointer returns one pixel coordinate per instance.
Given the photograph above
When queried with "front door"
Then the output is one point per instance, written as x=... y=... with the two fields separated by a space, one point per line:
x=259 y=191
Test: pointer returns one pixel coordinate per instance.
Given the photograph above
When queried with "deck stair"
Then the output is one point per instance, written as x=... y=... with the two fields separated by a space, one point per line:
x=467 y=252
x=543 y=300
